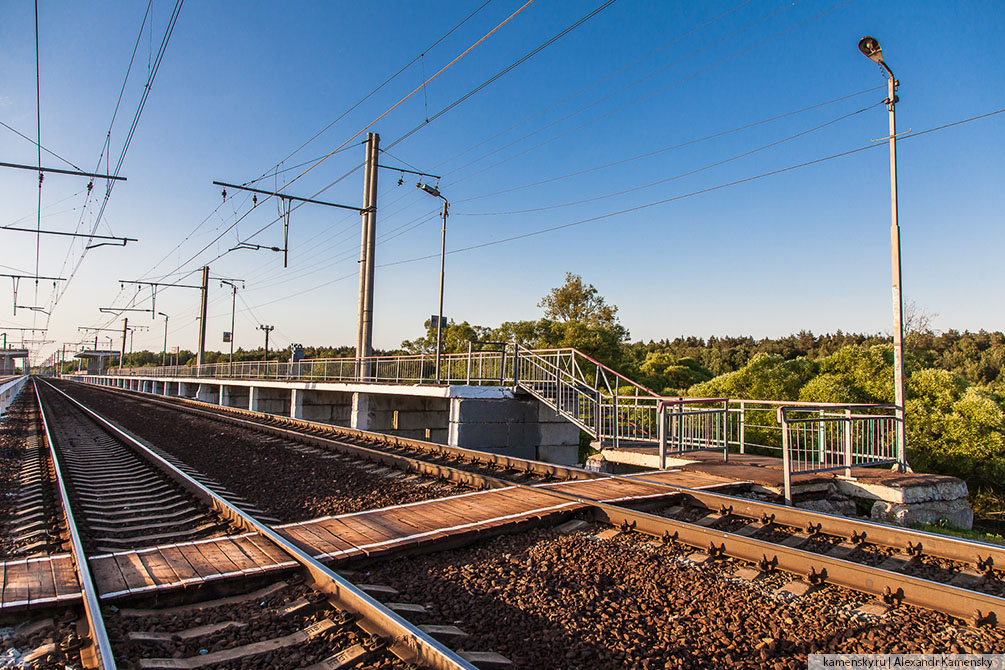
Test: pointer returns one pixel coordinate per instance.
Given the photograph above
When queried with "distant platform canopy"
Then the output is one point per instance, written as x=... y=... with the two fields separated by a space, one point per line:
x=96 y=353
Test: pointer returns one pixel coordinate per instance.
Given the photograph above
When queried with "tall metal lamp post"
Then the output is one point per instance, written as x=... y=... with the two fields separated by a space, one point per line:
x=869 y=46
x=164 y=353
x=433 y=191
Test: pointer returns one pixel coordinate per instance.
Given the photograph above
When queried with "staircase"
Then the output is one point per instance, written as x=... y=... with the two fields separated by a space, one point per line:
x=611 y=408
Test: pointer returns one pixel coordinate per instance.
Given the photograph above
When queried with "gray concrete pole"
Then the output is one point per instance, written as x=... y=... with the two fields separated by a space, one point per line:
x=201 y=356
x=164 y=353
x=125 y=331
x=233 y=310
x=439 y=311
x=364 y=331
x=898 y=298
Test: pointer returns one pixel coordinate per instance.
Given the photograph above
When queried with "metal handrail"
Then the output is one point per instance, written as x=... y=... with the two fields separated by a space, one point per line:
x=573 y=384
x=821 y=438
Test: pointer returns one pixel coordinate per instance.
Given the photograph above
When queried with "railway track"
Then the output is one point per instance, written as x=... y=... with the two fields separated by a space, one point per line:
x=897 y=566
x=307 y=615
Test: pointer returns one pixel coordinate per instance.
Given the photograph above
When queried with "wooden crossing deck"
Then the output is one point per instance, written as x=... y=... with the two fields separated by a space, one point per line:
x=37 y=582
x=43 y=581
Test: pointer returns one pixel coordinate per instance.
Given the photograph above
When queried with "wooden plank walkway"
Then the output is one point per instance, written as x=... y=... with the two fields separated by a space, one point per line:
x=37 y=582
x=42 y=581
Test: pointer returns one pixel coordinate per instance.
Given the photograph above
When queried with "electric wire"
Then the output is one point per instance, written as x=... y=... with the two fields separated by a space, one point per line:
x=692 y=54
x=681 y=175
x=38 y=117
x=651 y=94
x=168 y=32
x=366 y=127
x=710 y=189
x=594 y=84
x=458 y=101
x=276 y=171
x=388 y=80
x=106 y=146
x=656 y=152
x=504 y=71
x=48 y=151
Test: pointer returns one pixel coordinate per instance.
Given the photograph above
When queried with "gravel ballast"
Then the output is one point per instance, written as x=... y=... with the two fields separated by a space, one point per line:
x=544 y=599
x=279 y=476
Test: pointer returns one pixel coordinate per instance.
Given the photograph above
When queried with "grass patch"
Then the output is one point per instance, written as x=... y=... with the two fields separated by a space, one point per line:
x=585 y=447
x=947 y=529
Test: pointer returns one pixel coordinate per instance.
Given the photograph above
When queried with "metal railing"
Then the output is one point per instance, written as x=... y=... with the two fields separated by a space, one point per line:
x=606 y=404
x=476 y=367
x=693 y=424
x=830 y=437
x=616 y=411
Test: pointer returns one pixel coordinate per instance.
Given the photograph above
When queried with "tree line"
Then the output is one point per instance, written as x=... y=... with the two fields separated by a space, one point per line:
x=955 y=381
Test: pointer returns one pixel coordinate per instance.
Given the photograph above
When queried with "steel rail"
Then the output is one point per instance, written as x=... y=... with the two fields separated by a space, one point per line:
x=892 y=586
x=895 y=588
x=262 y=420
x=92 y=607
x=898 y=537
x=409 y=643
x=923 y=542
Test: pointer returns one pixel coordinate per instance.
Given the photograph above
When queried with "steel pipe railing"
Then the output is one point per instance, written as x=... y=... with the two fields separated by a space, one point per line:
x=819 y=438
x=610 y=407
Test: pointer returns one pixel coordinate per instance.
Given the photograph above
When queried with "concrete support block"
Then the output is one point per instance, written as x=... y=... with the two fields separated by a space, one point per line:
x=361 y=417
x=561 y=454
x=234 y=396
x=497 y=425
x=157 y=387
x=333 y=407
x=956 y=512
x=269 y=400
x=296 y=404
x=187 y=389
x=208 y=393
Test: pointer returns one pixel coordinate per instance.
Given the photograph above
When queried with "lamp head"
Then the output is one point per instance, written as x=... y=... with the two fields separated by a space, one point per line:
x=431 y=190
x=869 y=46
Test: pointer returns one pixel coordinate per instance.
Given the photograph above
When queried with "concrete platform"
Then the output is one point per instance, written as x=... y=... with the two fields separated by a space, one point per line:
x=895 y=497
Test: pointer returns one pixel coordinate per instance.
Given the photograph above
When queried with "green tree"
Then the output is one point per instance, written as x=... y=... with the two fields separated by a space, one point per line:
x=956 y=428
x=454 y=338
x=670 y=374
x=579 y=302
x=765 y=377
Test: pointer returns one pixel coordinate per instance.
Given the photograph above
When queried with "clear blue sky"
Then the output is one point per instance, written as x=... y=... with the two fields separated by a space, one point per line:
x=243 y=85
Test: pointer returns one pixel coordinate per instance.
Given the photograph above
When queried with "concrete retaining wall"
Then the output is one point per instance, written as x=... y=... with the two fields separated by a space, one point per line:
x=492 y=419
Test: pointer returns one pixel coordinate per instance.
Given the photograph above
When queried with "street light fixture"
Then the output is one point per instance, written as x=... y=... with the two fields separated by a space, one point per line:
x=435 y=192
x=869 y=46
